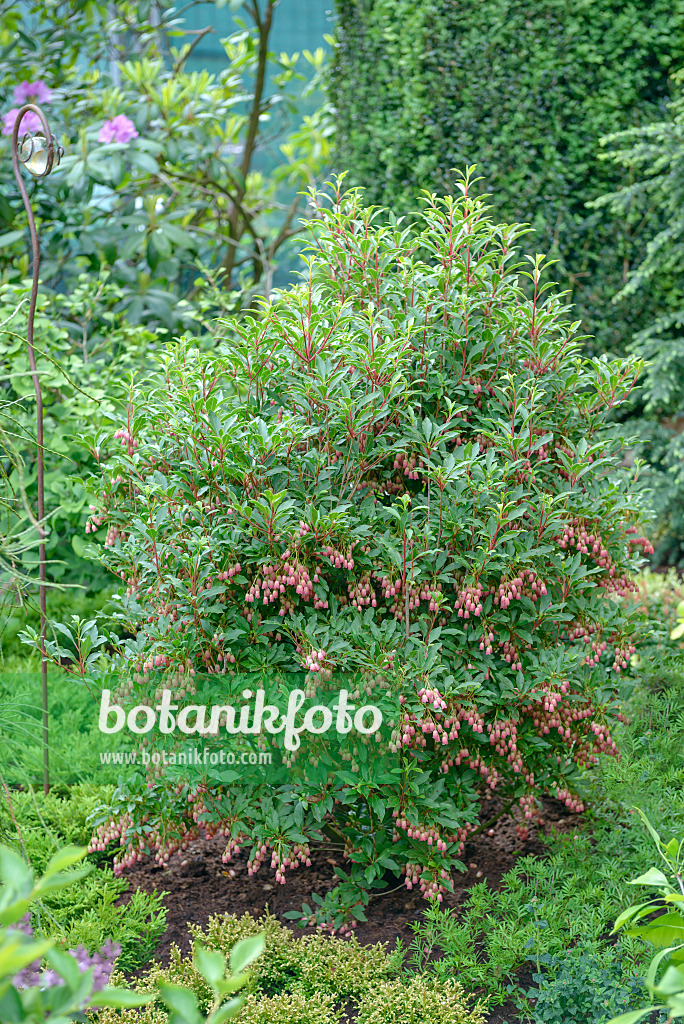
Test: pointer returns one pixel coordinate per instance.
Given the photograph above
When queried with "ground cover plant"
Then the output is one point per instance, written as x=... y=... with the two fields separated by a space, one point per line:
x=93 y=914
x=403 y=454
x=79 y=752
x=309 y=981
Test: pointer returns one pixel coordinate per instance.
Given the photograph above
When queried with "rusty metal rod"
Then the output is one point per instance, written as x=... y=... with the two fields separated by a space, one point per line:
x=26 y=141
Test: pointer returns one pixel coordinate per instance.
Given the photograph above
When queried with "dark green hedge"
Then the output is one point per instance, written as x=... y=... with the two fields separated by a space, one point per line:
x=525 y=90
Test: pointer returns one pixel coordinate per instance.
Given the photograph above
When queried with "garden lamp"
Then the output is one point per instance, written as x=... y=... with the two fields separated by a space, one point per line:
x=37 y=152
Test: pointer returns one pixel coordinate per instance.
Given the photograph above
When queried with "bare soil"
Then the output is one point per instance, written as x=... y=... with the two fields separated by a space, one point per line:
x=197 y=886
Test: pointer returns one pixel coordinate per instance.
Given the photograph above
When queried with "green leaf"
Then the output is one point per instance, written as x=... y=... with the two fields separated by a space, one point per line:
x=121 y=998
x=210 y=963
x=144 y=162
x=652 y=877
x=65 y=965
x=64 y=859
x=633 y=1016
x=245 y=952
x=225 y=1012
x=17 y=954
x=11 y=1010
x=181 y=1001
x=10 y=237
x=13 y=869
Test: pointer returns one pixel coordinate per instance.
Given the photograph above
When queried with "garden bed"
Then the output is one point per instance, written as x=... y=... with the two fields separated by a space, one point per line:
x=197 y=885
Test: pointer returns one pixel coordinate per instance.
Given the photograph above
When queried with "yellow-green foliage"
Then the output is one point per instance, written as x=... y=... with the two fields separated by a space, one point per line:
x=291 y=1008
x=280 y=958
x=342 y=967
x=180 y=971
x=419 y=1002
x=308 y=981
x=147 y=1015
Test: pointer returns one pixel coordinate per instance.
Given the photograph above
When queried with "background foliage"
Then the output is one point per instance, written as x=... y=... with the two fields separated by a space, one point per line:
x=160 y=229
x=525 y=91
x=654 y=157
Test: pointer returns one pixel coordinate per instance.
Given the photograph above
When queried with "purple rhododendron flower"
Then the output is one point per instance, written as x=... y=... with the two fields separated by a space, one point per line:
x=37 y=91
x=30 y=122
x=119 y=129
x=36 y=975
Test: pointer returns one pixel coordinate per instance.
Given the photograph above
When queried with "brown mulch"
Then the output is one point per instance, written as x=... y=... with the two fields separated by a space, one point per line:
x=197 y=886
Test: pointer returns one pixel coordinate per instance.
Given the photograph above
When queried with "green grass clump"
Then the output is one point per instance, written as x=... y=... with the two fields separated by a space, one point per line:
x=75 y=741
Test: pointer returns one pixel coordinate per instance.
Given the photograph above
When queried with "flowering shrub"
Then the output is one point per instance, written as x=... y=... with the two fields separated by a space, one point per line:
x=395 y=480
x=163 y=167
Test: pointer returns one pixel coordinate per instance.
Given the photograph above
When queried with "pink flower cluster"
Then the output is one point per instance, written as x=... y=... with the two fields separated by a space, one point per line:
x=119 y=129
x=37 y=92
x=26 y=92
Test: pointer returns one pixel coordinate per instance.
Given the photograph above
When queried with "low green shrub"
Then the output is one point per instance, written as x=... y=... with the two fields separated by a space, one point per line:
x=280 y=965
x=314 y=965
x=310 y=980
x=293 y=1008
x=419 y=1001
x=136 y=925
x=584 y=986
x=343 y=968
x=38 y=825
